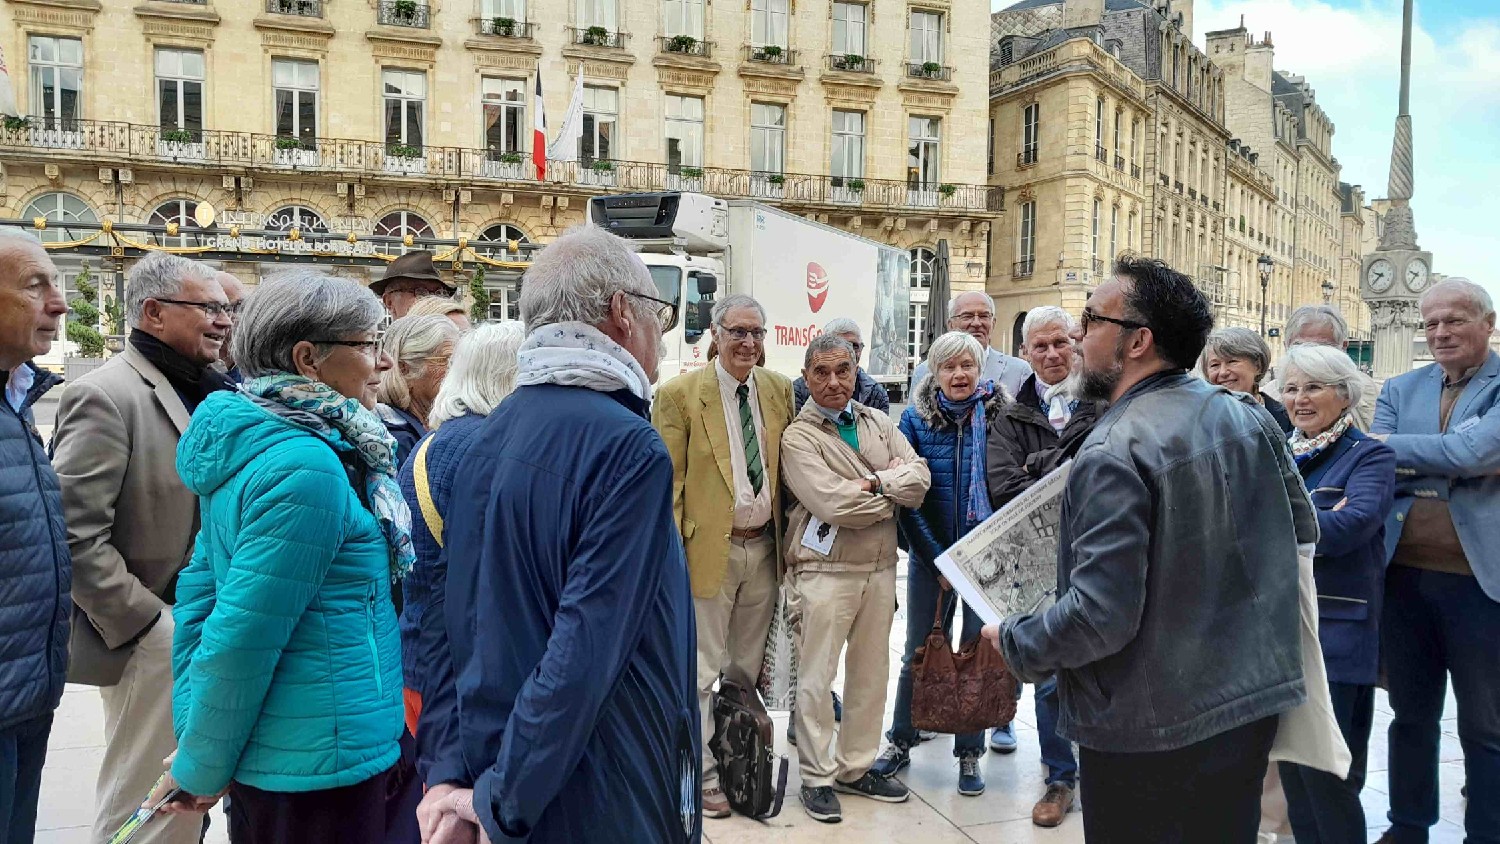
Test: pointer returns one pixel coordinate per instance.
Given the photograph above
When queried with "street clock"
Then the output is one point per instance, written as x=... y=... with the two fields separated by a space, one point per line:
x=1381 y=275
x=1417 y=275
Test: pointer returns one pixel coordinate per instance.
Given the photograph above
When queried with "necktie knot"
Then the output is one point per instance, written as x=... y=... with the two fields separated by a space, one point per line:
x=743 y=391
x=846 y=418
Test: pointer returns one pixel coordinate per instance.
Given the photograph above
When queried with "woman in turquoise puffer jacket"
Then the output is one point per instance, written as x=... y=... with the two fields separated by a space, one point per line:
x=286 y=657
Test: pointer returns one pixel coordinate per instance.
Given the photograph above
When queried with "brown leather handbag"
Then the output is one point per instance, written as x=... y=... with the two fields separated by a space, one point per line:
x=963 y=692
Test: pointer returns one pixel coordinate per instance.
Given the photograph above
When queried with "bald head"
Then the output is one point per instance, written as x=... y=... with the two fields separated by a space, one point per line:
x=234 y=291
x=973 y=313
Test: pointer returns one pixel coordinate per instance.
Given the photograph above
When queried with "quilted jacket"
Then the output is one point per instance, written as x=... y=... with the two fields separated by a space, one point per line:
x=286 y=659
x=949 y=450
x=34 y=592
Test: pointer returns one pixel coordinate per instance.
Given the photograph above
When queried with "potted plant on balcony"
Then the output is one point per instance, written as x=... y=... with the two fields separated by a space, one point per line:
x=509 y=158
x=681 y=44
x=404 y=151
x=947 y=190
x=602 y=165
x=15 y=123
x=405 y=10
x=931 y=70
x=692 y=172
x=503 y=26
x=177 y=136
x=769 y=53
x=855 y=185
x=776 y=179
x=852 y=61
x=285 y=142
x=597 y=36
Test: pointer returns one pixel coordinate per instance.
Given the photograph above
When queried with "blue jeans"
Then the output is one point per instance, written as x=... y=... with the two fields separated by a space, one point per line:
x=1057 y=752
x=23 y=750
x=1323 y=808
x=1436 y=625
x=922 y=592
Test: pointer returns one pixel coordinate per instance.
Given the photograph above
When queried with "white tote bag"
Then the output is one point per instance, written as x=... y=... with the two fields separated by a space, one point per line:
x=1309 y=734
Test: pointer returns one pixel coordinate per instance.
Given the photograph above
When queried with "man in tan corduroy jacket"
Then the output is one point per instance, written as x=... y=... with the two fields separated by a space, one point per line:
x=849 y=469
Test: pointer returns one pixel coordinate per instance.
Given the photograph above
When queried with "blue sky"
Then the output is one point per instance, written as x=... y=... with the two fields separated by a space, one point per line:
x=1350 y=52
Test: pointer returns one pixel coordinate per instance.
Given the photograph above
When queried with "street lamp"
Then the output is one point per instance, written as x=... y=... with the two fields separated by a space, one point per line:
x=1264 y=264
x=1327 y=291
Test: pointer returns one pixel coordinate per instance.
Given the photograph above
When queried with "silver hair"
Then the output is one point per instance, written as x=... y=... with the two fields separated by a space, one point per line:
x=950 y=346
x=827 y=342
x=732 y=301
x=1041 y=317
x=481 y=372
x=436 y=306
x=844 y=325
x=160 y=275
x=14 y=233
x=1240 y=343
x=1479 y=298
x=409 y=341
x=576 y=276
x=953 y=303
x=1326 y=365
x=298 y=305
x=1309 y=315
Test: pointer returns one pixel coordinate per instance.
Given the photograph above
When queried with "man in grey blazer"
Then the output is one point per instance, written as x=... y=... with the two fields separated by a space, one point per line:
x=1442 y=594
x=131 y=522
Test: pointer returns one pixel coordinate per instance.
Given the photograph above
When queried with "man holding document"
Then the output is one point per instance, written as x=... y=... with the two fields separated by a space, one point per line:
x=1176 y=634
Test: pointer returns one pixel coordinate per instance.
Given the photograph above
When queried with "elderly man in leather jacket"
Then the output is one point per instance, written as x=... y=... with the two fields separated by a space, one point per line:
x=1175 y=636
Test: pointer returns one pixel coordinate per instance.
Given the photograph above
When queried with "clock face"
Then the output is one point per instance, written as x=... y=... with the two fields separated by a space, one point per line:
x=1417 y=275
x=1381 y=275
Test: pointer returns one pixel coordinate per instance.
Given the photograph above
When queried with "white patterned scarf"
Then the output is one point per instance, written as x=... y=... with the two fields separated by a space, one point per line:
x=1305 y=448
x=575 y=354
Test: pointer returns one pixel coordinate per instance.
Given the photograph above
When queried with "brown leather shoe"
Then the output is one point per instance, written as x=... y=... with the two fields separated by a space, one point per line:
x=1054 y=805
x=715 y=804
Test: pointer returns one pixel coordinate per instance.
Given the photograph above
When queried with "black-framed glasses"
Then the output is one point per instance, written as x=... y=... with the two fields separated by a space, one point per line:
x=212 y=310
x=666 y=314
x=1089 y=316
x=368 y=347
x=740 y=335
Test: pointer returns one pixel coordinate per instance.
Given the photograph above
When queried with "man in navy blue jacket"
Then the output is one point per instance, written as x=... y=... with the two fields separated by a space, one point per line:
x=568 y=607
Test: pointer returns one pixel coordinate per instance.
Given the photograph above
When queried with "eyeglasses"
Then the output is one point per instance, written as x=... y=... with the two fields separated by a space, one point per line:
x=1311 y=390
x=213 y=310
x=974 y=316
x=1089 y=316
x=366 y=347
x=740 y=335
x=666 y=314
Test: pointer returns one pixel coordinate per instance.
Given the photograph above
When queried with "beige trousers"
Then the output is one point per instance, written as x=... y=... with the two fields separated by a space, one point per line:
x=837 y=608
x=137 y=737
x=732 y=628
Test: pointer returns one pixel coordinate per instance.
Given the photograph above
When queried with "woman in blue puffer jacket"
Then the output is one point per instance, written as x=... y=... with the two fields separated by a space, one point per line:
x=286 y=657
x=946 y=424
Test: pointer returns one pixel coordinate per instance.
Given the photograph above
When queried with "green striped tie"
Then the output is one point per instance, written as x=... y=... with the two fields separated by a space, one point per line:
x=753 y=466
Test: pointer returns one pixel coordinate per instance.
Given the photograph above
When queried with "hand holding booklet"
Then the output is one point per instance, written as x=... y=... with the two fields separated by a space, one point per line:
x=1008 y=564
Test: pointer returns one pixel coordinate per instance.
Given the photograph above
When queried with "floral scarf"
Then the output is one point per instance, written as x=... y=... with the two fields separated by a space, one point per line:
x=1305 y=449
x=375 y=446
x=977 y=499
x=575 y=354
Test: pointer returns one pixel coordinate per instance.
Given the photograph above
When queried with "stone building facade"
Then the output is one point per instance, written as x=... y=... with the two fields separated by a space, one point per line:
x=415 y=117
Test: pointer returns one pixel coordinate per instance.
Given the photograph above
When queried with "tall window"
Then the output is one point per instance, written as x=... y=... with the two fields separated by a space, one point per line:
x=767 y=137
x=601 y=111
x=1099 y=126
x=296 y=217
x=1114 y=232
x=56 y=78
x=59 y=208
x=926 y=37
x=504 y=104
x=405 y=100
x=1135 y=142
x=989 y=150
x=848 y=145
x=179 y=211
x=684 y=132
x=1031 y=123
x=849 y=29
x=1026 y=239
x=295 y=84
x=400 y=224
x=1119 y=118
x=179 y=90
x=1098 y=215
x=1131 y=239
x=598 y=13
x=683 y=17
x=768 y=21
x=923 y=263
x=923 y=152
x=513 y=9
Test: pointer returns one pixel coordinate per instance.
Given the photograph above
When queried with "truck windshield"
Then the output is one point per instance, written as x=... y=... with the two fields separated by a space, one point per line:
x=668 y=283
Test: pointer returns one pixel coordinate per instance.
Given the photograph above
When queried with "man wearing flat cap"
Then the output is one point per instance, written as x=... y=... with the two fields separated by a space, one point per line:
x=408 y=279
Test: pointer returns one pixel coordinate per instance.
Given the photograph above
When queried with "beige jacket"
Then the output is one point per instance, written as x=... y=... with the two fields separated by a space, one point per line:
x=131 y=522
x=824 y=475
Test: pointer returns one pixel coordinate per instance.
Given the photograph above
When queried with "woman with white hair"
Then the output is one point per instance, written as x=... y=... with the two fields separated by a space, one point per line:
x=1351 y=477
x=1236 y=358
x=420 y=346
x=481 y=373
x=946 y=424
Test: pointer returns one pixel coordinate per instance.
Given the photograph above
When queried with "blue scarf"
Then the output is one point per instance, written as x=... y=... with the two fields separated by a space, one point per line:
x=374 y=445
x=977 y=503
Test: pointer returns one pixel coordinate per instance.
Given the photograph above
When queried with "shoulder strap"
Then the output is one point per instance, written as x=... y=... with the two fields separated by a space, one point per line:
x=430 y=513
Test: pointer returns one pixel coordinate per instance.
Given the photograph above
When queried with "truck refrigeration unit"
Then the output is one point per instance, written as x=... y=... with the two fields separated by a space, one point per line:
x=699 y=248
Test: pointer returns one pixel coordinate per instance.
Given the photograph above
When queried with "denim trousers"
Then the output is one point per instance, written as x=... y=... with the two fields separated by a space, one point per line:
x=1057 y=752
x=23 y=750
x=1323 y=808
x=1435 y=626
x=922 y=591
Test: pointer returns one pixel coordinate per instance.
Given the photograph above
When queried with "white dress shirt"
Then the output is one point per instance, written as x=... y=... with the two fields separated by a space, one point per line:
x=750 y=510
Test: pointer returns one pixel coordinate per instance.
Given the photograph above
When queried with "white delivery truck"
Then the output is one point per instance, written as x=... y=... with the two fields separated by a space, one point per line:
x=805 y=274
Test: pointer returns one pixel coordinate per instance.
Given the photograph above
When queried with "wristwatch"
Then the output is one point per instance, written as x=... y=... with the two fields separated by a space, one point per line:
x=875 y=486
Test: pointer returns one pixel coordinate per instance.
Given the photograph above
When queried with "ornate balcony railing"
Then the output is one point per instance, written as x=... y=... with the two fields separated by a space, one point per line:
x=929 y=70
x=403 y=13
x=1098 y=267
x=1192 y=193
x=1177 y=185
x=101 y=143
x=770 y=54
x=598 y=36
x=507 y=28
x=1135 y=171
x=1101 y=154
x=851 y=63
x=686 y=45
x=1120 y=163
x=303 y=8
x=1024 y=268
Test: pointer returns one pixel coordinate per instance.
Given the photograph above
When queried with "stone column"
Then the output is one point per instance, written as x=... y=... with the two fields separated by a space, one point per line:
x=1393 y=325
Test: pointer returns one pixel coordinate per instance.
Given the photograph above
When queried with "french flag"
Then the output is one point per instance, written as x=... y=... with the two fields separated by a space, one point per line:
x=539 y=136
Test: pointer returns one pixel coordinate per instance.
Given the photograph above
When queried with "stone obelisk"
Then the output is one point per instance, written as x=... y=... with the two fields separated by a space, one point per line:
x=1397 y=272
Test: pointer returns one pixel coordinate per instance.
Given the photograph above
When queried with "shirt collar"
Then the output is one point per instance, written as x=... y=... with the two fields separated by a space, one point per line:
x=18 y=385
x=1468 y=373
x=729 y=382
x=833 y=415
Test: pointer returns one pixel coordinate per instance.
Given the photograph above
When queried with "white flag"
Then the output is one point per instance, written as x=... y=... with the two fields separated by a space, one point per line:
x=7 y=93
x=564 y=147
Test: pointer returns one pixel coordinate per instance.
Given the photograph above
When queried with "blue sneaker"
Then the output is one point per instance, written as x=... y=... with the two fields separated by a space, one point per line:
x=891 y=761
x=970 y=781
x=1003 y=739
